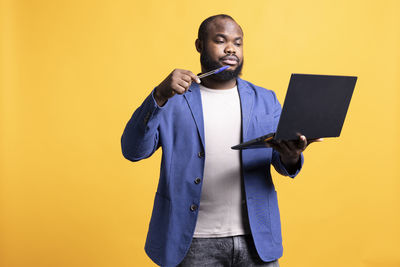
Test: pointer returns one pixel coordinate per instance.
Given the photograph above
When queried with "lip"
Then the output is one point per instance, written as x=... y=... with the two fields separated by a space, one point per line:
x=230 y=60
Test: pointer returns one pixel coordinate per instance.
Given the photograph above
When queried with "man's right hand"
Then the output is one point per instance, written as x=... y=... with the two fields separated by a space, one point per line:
x=177 y=82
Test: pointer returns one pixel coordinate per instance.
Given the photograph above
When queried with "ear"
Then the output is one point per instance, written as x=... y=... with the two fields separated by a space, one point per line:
x=199 y=45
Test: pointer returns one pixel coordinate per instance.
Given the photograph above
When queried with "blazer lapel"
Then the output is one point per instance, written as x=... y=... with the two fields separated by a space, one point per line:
x=193 y=98
x=246 y=102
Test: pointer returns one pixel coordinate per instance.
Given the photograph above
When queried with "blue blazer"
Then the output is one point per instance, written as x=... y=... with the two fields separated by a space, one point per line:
x=178 y=128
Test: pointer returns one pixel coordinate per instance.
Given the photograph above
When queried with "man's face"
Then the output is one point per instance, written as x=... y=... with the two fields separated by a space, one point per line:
x=223 y=46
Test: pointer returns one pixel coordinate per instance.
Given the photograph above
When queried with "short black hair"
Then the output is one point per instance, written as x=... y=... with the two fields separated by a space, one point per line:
x=202 y=35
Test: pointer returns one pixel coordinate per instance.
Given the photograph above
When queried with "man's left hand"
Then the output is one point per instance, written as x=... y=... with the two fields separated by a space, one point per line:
x=290 y=150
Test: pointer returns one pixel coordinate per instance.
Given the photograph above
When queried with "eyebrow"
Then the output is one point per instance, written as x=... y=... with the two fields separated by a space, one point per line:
x=224 y=36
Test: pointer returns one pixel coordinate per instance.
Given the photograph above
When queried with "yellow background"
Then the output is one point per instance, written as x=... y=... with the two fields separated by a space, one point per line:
x=72 y=73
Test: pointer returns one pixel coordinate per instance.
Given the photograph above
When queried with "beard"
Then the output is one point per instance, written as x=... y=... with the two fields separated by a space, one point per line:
x=209 y=64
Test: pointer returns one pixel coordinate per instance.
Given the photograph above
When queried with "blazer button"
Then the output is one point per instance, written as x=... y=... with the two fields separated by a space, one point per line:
x=193 y=207
x=200 y=154
x=197 y=180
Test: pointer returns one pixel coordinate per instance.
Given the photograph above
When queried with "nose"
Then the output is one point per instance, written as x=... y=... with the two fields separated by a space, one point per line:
x=230 y=48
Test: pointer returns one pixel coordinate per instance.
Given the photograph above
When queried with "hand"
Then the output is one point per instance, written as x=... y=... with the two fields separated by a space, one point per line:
x=290 y=150
x=177 y=82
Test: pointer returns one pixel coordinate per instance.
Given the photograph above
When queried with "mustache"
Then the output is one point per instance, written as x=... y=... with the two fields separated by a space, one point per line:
x=230 y=57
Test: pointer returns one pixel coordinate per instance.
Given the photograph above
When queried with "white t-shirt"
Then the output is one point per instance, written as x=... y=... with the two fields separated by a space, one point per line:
x=222 y=210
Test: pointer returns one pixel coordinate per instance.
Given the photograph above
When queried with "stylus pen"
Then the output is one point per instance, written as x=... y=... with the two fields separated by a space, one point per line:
x=213 y=72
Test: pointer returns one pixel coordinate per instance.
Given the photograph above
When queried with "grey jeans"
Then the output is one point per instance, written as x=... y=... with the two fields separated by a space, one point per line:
x=233 y=251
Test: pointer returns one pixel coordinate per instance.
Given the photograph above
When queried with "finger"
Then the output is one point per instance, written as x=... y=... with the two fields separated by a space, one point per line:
x=179 y=89
x=302 y=142
x=186 y=78
x=184 y=84
x=286 y=149
x=292 y=145
x=267 y=145
x=280 y=147
x=270 y=143
x=276 y=147
x=315 y=140
x=193 y=76
x=273 y=144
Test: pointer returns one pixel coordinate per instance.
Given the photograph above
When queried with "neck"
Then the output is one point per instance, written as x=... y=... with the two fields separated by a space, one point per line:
x=213 y=84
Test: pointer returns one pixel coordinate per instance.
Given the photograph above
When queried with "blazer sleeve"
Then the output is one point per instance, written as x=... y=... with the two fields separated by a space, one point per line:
x=140 y=138
x=276 y=159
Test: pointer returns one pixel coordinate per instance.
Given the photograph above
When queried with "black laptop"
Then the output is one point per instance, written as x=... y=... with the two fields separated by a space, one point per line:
x=315 y=106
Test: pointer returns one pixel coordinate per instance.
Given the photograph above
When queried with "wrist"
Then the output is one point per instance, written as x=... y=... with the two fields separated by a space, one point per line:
x=290 y=160
x=291 y=163
x=160 y=99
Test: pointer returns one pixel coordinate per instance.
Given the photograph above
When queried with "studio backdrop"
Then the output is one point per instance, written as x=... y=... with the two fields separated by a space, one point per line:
x=73 y=71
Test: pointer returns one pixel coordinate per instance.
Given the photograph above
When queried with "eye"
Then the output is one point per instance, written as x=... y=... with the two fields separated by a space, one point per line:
x=238 y=44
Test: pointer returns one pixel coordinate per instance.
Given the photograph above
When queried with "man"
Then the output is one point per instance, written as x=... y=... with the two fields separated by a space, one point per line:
x=214 y=206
